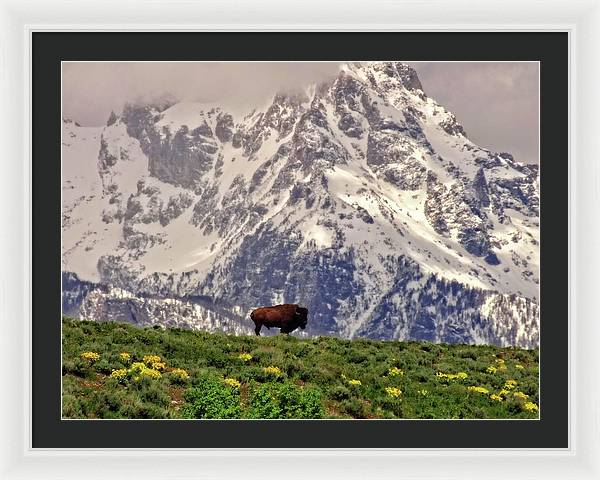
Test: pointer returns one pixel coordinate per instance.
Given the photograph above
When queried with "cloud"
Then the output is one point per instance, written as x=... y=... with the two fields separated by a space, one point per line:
x=497 y=102
x=92 y=90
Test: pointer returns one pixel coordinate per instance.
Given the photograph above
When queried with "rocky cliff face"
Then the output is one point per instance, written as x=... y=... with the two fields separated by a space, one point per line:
x=361 y=198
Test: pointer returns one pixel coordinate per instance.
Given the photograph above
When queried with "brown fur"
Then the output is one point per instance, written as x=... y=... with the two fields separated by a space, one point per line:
x=286 y=317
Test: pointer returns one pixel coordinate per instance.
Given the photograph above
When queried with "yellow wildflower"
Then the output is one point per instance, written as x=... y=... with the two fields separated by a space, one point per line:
x=119 y=374
x=491 y=369
x=393 y=392
x=159 y=366
x=272 y=370
x=232 y=382
x=90 y=356
x=245 y=357
x=354 y=382
x=150 y=373
x=520 y=367
x=530 y=407
x=139 y=370
x=521 y=395
x=498 y=398
x=392 y=372
x=504 y=392
x=423 y=392
x=180 y=373
x=500 y=364
x=483 y=390
x=125 y=356
x=137 y=367
x=510 y=384
x=150 y=359
x=452 y=376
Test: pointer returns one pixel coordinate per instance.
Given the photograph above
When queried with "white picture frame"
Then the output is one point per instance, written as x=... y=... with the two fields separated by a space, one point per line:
x=17 y=22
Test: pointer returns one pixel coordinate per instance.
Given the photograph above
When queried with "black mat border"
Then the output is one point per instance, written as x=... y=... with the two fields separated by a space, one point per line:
x=49 y=48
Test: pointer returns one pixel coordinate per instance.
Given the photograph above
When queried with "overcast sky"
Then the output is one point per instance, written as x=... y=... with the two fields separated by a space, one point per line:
x=496 y=102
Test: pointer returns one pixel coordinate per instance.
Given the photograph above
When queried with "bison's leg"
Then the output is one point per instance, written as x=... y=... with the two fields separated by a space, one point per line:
x=257 y=329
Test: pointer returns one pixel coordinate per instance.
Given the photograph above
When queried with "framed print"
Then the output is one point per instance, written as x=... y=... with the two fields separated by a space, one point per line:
x=334 y=201
x=290 y=245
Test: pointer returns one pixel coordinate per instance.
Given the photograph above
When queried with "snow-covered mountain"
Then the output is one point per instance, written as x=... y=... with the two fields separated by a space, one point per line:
x=361 y=198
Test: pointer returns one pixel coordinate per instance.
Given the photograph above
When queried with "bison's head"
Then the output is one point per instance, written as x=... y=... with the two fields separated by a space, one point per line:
x=301 y=316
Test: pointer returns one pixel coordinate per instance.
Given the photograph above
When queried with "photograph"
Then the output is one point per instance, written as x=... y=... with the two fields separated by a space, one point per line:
x=330 y=240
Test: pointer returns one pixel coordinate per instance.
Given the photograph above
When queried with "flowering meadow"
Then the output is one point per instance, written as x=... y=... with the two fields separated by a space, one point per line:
x=114 y=370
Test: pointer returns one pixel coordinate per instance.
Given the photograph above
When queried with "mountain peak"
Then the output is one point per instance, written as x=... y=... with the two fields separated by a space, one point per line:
x=382 y=73
x=294 y=98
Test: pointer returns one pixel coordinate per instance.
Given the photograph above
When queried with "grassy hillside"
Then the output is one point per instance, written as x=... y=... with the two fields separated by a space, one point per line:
x=113 y=370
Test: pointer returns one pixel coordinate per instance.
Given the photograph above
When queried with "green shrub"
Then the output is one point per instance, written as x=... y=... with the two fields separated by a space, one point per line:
x=103 y=366
x=71 y=407
x=393 y=405
x=212 y=399
x=151 y=391
x=353 y=407
x=285 y=400
x=340 y=393
x=215 y=357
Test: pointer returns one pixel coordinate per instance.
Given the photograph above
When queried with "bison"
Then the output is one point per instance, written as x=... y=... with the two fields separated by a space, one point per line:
x=286 y=317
